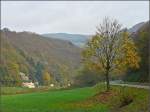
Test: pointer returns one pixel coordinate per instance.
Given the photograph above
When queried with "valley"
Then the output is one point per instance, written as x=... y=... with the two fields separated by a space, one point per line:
x=74 y=56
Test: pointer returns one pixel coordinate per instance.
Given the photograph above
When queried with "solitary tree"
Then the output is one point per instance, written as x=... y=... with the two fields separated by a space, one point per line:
x=64 y=74
x=46 y=78
x=110 y=49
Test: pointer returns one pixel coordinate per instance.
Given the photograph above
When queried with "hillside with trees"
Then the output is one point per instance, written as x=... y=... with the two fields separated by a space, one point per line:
x=141 y=39
x=37 y=57
x=49 y=60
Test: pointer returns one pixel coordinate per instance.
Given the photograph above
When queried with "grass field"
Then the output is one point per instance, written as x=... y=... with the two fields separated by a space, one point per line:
x=89 y=99
x=21 y=90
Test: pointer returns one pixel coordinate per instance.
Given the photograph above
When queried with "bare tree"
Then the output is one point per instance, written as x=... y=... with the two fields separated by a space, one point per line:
x=108 y=48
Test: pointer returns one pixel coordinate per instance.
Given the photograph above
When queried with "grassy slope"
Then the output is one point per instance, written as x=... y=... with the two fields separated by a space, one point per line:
x=75 y=100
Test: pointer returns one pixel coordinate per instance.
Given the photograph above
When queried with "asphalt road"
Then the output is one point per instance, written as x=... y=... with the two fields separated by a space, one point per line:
x=129 y=85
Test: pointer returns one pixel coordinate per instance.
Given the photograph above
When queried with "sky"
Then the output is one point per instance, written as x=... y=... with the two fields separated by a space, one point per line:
x=78 y=17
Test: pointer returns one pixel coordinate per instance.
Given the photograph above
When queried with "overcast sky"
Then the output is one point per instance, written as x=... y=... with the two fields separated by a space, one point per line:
x=70 y=17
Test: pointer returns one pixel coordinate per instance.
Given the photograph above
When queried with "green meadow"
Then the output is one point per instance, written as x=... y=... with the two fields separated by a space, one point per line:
x=88 y=99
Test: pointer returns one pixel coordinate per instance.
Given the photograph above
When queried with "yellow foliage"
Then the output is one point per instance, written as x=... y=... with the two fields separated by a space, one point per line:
x=46 y=77
x=126 y=54
x=132 y=58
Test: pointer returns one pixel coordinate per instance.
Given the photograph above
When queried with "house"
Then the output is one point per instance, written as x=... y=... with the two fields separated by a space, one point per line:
x=69 y=84
x=25 y=81
x=28 y=84
x=52 y=85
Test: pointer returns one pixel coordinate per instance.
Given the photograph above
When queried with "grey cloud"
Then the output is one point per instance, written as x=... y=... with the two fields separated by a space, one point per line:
x=72 y=17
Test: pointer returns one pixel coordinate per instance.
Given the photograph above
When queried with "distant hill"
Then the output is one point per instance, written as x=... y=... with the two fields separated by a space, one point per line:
x=26 y=50
x=136 y=27
x=80 y=40
x=76 y=39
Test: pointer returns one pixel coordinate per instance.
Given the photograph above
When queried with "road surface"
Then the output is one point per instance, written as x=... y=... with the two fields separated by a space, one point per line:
x=129 y=85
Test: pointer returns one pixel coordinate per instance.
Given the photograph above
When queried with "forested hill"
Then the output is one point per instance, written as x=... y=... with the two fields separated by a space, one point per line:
x=142 y=39
x=32 y=54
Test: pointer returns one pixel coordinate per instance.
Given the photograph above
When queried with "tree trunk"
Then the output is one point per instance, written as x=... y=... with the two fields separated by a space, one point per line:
x=107 y=80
